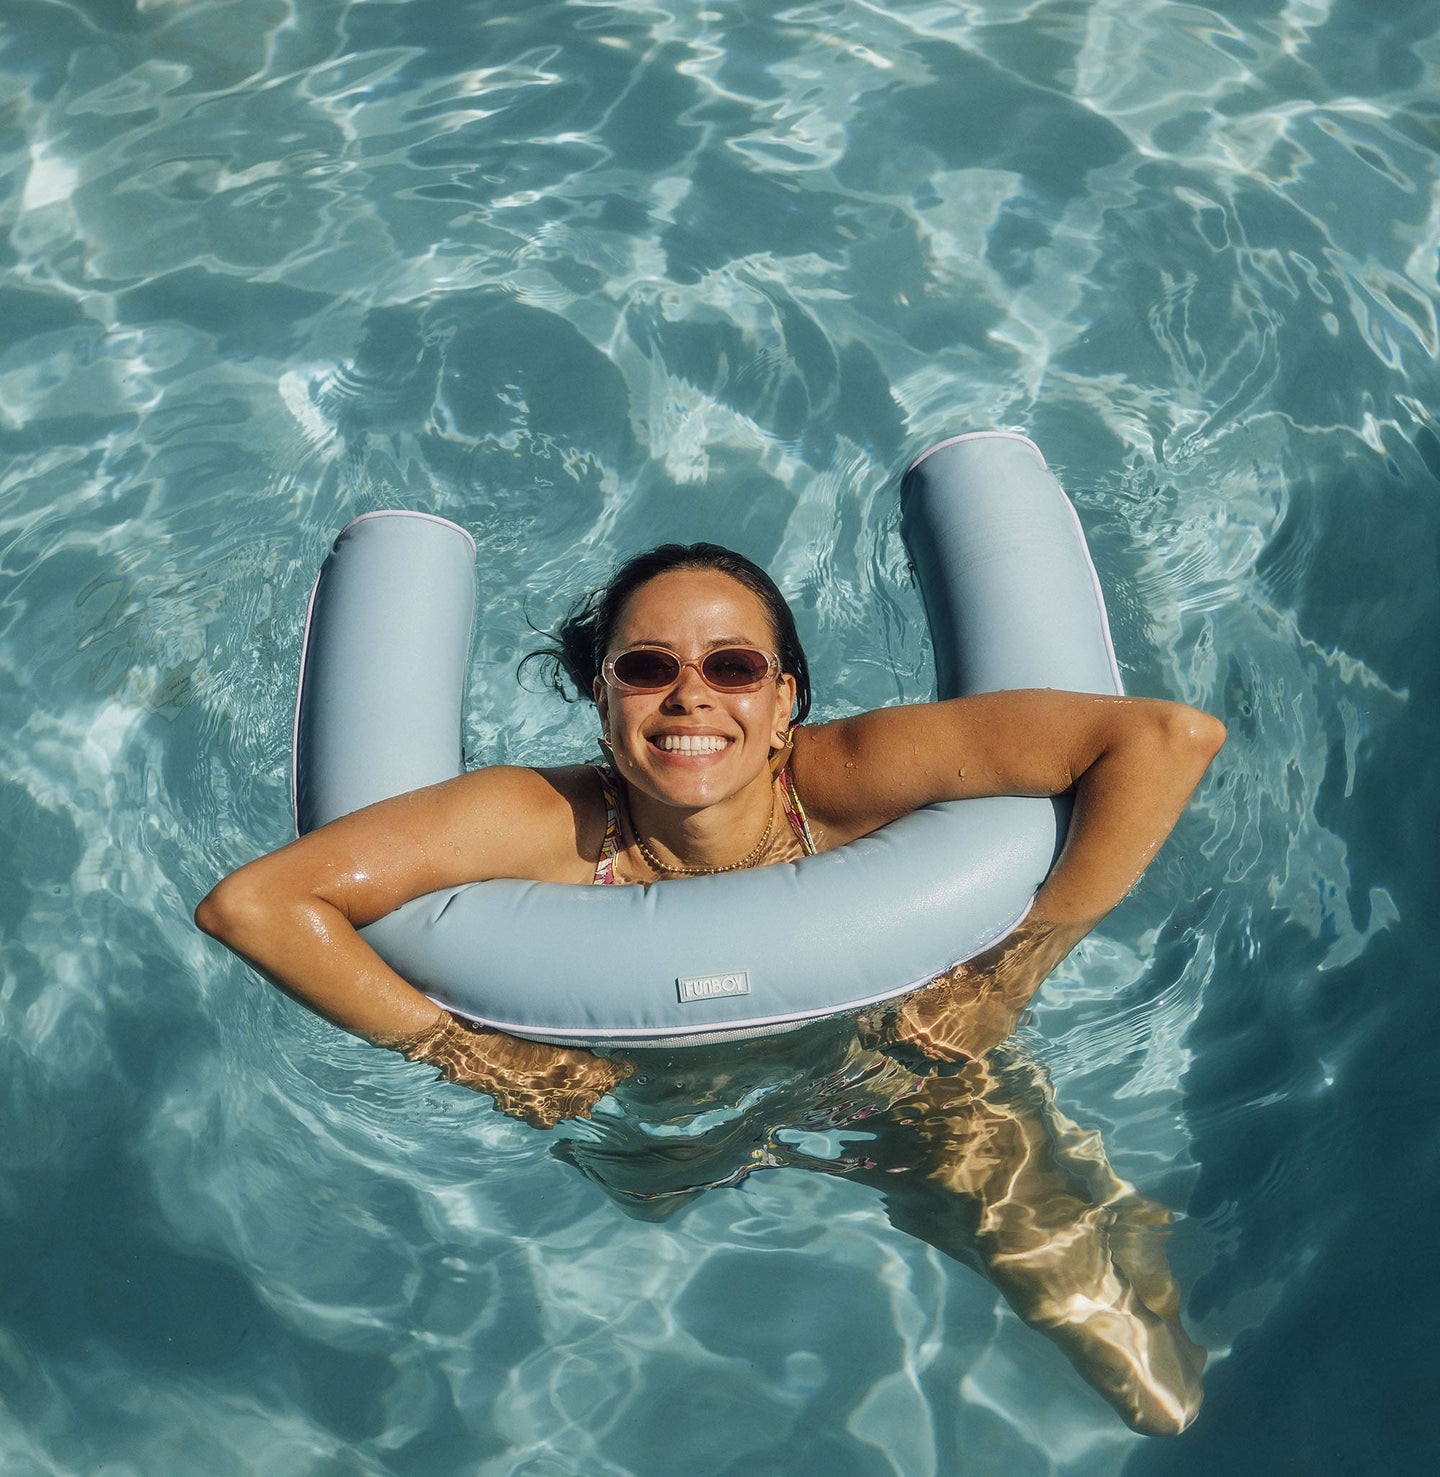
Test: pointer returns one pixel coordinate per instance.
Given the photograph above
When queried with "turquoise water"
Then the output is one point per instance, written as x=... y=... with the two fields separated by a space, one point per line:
x=584 y=276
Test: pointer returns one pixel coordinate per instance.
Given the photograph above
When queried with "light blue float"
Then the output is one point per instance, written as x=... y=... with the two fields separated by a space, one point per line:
x=1013 y=602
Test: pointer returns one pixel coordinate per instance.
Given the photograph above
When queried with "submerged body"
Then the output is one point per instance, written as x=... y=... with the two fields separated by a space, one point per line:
x=973 y=1158
x=697 y=677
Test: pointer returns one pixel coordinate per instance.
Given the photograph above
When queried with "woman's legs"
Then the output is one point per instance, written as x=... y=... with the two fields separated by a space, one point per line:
x=975 y=1160
x=980 y=1164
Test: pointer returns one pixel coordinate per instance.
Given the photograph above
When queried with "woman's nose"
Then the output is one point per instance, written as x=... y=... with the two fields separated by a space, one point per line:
x=690 y=689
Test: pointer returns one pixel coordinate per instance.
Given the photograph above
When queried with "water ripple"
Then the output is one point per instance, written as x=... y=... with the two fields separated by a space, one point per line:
x=586 y=277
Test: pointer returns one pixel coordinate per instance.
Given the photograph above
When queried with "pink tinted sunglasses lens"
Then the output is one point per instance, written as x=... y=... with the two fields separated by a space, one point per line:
x=730 y=669
x=734 y=668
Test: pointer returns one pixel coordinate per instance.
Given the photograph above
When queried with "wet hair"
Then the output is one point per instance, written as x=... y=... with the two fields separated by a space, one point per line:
x=582 y=639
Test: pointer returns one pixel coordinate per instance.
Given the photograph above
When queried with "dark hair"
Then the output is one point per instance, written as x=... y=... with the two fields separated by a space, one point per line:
x=583 y=637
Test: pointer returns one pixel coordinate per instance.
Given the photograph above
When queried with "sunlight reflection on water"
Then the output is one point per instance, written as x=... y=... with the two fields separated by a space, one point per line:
x=584 y=278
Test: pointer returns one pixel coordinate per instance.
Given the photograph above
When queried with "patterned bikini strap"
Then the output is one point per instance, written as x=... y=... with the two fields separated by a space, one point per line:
x=610 y=846
x=794 y=808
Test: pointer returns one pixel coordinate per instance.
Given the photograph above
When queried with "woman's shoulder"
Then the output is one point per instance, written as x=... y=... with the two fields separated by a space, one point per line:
x=825 y=780
x=858 y=773
x=543 y=821
x=544 y=792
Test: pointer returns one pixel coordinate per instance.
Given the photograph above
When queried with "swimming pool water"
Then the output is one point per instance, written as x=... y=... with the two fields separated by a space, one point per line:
x=585 y=276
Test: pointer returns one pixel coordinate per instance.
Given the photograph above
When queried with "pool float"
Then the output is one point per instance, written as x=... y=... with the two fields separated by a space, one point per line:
x=1012 y=602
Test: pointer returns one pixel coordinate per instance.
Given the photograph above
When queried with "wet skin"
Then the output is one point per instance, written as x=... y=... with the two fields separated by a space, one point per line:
x=694 y=807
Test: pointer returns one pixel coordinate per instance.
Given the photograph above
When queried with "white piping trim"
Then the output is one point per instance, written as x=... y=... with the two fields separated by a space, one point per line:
x=299 y=694
x=410 y=513
x=979 y=436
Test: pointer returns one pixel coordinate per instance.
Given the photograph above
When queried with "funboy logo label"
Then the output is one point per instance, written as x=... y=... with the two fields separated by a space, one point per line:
x=709 y=986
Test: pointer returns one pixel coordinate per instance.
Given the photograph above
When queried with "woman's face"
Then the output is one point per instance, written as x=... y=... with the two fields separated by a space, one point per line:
x=689 y=745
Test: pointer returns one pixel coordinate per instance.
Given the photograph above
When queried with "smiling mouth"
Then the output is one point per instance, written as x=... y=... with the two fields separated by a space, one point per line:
x=689 y=743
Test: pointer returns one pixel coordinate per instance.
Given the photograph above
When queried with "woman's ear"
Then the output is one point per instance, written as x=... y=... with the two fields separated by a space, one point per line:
x=782 y=739
x=784 y=707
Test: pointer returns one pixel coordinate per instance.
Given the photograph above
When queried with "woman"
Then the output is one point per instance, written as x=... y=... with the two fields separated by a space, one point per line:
x=693 y=661
x=709 y=775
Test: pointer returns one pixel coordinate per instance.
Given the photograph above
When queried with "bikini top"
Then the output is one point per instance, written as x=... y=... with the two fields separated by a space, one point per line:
x=610 y=848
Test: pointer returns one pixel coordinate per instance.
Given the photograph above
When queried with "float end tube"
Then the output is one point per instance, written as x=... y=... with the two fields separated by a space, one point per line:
x=380 y=707
x=1012 y=601
x=1010 y=592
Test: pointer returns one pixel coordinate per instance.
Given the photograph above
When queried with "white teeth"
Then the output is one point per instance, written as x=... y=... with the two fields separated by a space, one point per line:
x=676 y=743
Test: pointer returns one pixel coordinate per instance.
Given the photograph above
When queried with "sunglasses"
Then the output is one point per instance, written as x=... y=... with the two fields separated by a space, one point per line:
x=726 y=669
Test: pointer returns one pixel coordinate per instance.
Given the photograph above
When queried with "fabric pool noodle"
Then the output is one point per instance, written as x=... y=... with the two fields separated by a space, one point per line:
x=1012 y=601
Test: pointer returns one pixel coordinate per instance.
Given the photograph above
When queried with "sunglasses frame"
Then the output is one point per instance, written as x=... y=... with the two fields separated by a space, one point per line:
x=772 y=668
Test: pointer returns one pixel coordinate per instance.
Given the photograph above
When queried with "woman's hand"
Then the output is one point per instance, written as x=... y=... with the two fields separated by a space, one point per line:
x=1131 y=765
x=970 y=1009
x=543 y=1085
x=293 y=915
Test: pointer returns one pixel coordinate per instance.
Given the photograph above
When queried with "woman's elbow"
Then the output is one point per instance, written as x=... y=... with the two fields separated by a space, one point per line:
x=232 y=909
x=1194 y=735
x=1206 y=732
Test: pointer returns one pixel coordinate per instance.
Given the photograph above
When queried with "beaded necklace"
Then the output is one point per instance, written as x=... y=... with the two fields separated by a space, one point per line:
x=680 y=870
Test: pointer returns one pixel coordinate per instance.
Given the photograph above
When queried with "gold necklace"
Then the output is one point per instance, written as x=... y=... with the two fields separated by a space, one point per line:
x=748 y=860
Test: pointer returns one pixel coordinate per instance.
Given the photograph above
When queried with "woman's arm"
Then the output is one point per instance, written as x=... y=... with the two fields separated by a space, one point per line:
x=293 y=916
x=1132 y=764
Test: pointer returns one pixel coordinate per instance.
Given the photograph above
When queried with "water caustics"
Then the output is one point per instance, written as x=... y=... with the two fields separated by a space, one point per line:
x=584 y=277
